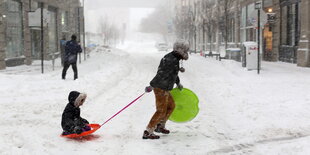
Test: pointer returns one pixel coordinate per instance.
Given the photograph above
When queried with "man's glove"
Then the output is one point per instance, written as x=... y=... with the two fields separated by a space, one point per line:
x=180 y=86
x=148 y=89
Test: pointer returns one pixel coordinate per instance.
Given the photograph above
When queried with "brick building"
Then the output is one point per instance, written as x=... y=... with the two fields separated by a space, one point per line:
x=20 y=29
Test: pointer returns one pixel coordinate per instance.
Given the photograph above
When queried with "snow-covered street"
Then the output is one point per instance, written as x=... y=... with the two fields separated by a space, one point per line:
x=240 y=112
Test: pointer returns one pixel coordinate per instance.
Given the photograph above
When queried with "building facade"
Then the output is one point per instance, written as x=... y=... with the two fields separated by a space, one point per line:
x=21 y=37
x=290 y=31
x=222 y=24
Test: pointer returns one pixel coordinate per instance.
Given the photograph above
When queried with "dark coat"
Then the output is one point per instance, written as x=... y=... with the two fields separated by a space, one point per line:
x=167 y=73
x=71 y=118
x=71 y=50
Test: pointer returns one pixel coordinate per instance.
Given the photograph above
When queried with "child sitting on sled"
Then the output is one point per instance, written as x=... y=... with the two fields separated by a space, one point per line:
x=71 y=121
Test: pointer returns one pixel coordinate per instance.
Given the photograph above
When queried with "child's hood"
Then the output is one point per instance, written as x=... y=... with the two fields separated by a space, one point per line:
x=76 y=98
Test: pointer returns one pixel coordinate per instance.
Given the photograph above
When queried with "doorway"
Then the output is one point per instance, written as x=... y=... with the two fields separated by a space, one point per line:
x=35 y=44
x=267 y=46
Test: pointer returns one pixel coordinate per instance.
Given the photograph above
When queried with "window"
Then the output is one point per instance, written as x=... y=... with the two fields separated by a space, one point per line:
x=14 y=29
x=290 y=25
x=33 y=5
x=65 y=21
x=248 y=19
x=52 y=31
x=231 y=30
x=290 y=30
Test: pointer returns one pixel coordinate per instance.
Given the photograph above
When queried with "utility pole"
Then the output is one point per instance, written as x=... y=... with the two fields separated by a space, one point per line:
x=84 y=42
x=79 y=30
x=258 y=6
x=42 y=40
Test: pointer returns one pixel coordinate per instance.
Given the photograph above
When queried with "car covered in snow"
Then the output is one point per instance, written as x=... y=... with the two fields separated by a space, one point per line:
x=162 y=46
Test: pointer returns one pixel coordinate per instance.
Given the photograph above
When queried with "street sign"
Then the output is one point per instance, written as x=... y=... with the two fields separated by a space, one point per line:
x=258 y=5
x=271 y=17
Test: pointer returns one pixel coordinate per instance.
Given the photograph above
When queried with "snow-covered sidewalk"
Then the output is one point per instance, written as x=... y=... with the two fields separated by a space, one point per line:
x=240 y=112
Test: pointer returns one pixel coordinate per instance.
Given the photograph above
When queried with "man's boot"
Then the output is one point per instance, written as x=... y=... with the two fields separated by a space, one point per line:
x=147 y=134
x=161 y=129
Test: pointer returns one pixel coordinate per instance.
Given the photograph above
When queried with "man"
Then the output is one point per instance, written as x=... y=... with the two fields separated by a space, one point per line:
x=162 y=83
x=62 y=49
x=71 y=51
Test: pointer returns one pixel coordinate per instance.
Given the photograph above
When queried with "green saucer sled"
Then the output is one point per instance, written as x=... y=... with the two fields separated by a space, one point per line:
x=186 y=105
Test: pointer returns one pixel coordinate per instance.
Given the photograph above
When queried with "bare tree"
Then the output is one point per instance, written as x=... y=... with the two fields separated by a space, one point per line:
x=157 y=22
x=225 y=10
x=109 y=32
x=185 y=23
x=207 y=15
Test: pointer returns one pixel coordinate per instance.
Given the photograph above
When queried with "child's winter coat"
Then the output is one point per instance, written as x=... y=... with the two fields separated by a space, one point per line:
x=71 y=121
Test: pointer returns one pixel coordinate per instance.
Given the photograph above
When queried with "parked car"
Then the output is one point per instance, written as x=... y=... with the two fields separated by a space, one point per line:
x=162 y=46
x=104 y=48
x=107 y=48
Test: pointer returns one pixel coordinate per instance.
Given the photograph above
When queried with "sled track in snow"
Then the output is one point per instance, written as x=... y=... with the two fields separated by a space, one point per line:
x=247 y=147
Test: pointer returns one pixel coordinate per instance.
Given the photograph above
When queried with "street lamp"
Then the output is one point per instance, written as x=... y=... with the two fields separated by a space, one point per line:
x=84 y=42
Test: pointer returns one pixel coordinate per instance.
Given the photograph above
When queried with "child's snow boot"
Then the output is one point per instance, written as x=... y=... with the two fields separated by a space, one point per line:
x=66 y=133
x=148 y=135
x=78 y=130
x=86 y=128
x=161 y=129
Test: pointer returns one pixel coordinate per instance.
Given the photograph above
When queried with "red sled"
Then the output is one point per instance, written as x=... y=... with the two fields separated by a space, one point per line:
x=94 y=127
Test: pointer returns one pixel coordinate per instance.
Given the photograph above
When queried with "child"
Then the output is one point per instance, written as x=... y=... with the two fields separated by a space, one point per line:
x=71 y=121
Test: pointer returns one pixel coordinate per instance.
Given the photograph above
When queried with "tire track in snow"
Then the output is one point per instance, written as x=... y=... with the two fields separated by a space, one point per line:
x=247 y=148
x=210 y=111
x=137 y=80
x=124 y=88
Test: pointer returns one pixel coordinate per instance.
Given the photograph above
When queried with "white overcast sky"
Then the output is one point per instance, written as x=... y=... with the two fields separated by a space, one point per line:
x=118 y=11
x=95 y=4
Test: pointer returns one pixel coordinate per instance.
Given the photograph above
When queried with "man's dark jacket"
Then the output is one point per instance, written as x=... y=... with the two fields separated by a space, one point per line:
x=167 y=73
x=72 y=49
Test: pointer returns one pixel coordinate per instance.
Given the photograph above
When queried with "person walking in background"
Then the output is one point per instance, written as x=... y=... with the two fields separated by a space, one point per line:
x=162 y=83
x=62 y=49
x=71 y=51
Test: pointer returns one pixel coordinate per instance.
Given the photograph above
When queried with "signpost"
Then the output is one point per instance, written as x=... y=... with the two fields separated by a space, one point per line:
x=258 y=6
x=40 y=18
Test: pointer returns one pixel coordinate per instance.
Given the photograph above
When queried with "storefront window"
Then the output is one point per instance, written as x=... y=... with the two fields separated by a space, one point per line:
x=248 y=31
x=64 y=20
x=284 y=26
x=251 y=15
x=231 y=29
x=52 y=31
x=290 y=30
x=14 y=29
x=35 y=43
x=290 y=24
